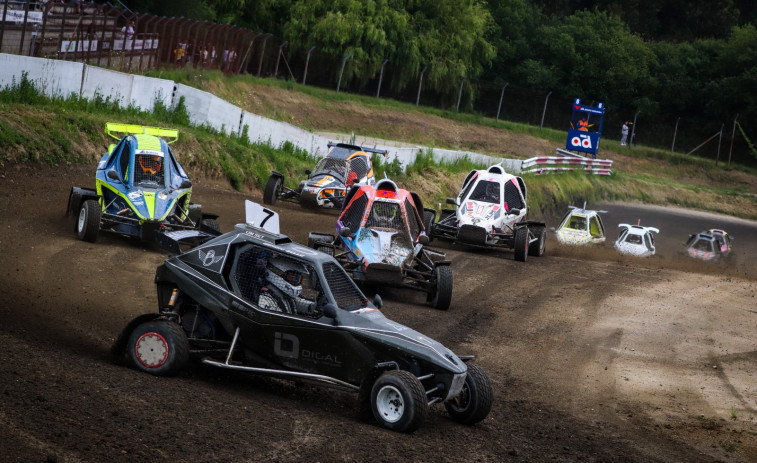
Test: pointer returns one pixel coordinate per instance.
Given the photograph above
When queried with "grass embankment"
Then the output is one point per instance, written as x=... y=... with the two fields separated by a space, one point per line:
x=34 y=128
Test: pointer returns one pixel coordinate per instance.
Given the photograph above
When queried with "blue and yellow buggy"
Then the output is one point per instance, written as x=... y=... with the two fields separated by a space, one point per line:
x=141 y=191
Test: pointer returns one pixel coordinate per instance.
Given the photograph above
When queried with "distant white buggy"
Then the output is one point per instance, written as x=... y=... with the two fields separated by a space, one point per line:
x=636 y=240
x=490 y=211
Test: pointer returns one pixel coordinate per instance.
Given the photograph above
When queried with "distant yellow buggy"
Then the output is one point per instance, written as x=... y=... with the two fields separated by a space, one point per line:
x=141 y=191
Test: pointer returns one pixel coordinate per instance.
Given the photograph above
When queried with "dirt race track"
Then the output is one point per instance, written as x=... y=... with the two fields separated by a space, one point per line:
x=592 y=356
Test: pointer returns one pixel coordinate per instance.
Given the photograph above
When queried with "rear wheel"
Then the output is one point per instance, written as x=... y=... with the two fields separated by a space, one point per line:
x=272 y=189
x=443 y=290
x=521 y=244
x=538 y=247
x=159 y=347
x=398 y=401
x=474 y=401
x=211 y=224
x=88 y=223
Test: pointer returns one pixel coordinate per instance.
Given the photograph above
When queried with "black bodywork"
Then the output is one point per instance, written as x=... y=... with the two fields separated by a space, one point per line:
x=343 y=166
x=234 y=316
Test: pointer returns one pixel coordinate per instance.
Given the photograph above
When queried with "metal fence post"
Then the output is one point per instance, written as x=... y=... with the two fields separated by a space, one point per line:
x=544 y=111
x=720 y=139
x=420 y=84
x=278 y=58
x=262 y=53
x=501 y=96
x=344 y=62
x=460 y=94
x=381 y=77
x=632 y=141
x=675 y=133
x=307 y=62
x=733 y=135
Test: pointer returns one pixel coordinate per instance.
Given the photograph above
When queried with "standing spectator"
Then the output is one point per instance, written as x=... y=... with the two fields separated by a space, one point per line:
x=127 y=32
x=212 y=55
x=624 y=133
x=204 y=55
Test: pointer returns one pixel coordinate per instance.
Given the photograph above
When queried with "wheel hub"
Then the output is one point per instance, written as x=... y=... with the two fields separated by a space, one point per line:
x=151 y=350
x=389 y=403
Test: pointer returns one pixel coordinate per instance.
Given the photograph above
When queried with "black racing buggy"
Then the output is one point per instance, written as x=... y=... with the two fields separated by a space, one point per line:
x=343 y=166
x=382 y=240
x=141 y=191
x=254 y=301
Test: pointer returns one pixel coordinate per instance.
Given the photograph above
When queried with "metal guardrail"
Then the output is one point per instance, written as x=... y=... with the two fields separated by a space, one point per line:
x=566 y=162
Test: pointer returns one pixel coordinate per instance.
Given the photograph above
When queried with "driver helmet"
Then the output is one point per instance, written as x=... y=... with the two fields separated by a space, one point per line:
x=492 y=191
x=286 y=275
x=151 y=164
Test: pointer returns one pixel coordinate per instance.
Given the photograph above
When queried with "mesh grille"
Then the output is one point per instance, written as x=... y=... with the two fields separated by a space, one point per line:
x=250 y=273
x=329 y=164
x=359 y=165
x=412 y=219
x=354 y=214
x=512 y=196
x=148 y=169
x=346 y=294
x=486 y=191
x=385 y=215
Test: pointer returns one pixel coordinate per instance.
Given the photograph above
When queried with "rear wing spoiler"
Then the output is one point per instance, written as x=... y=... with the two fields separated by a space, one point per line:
x=118 y=130
x=359 y=148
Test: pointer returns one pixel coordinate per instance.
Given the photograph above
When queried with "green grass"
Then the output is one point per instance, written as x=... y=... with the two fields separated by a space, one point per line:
x=35 y=128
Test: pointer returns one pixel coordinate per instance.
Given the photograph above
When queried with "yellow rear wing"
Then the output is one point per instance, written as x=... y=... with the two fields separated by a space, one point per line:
x=118 y=130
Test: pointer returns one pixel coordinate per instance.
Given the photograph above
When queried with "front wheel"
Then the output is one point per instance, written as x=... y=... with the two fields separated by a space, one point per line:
x=538 y=247
x=443 y=289
x=88 y=223
x=159 y=347
x=272 y=189
x=474 y=402
x=398 y=401
x=521 y=244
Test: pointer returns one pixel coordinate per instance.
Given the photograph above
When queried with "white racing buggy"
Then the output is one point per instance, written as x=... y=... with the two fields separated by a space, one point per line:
x=491 y=212
x=581 y=226
x=636 y=240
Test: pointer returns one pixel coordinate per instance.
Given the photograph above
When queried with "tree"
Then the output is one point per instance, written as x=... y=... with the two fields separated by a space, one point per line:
x=448 y=36
x=592 y=55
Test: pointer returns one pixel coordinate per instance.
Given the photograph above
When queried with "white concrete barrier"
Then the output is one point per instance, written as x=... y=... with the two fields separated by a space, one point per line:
x=106 y=84
x=207 y=109
x=53 y=78
x=64 y=78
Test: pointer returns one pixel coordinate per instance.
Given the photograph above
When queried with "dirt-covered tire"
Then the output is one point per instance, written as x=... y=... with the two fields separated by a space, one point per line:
x=274 y=300
x=474 y=402
x=442 y=295
x=521 y=244
x=272 y=189
x=88 y=222
x=211 y=224
x=428 y=220
x=158 y=347
x=398 y=401
x=538 y=247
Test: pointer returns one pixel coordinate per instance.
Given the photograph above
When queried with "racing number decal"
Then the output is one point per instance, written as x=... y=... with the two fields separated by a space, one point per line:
x=268 y=214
